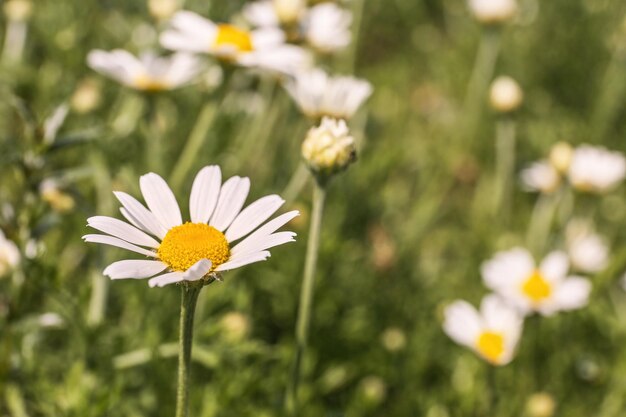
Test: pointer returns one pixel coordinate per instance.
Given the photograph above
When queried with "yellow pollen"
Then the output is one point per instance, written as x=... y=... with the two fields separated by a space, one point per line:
x=229 y=35
x=491 y=346
x=186 y=244
x=145 y=82
x=536 y=287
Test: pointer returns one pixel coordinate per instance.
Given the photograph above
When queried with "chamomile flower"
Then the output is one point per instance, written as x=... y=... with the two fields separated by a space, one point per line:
x=318 y=94
x=197 y=249
x=148 y=72
x=264 y=48
x=596 y=169
x=9 y=255
x=492 y=333
x=541 y=176
x=545 y=289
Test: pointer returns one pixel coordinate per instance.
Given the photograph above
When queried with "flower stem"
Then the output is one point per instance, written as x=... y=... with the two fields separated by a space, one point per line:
x=505 y=166
x=306 y=296
x=189 y=297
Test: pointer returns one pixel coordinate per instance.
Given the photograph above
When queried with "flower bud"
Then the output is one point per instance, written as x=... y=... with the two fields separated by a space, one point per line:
x=162 y=9
x=329 y=148
x=505 y=95
x=540 y=404
x=289 y=11
x=493 y=12
x=374 y=389
x=561 y=156
x=235 y=325
x=52 y=194
x=86 y=97
x=9 y=255
x=393 y=339
x=18 y=10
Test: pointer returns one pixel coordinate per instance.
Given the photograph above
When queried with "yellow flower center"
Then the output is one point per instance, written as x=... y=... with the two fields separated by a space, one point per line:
x=186 y=244
x=145 y=82
x=229 y=35
x=491 y=346
x=536 y=287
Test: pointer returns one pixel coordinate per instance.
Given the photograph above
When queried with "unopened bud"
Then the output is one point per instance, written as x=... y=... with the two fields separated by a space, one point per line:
x=393 y=339
x=329 y=148
x=162 y=9
x=505 y=95
x=493 y=12
x=86 y=97
x=52 y=194
x=561 y=156
x=235 y=325
x=18 y=10
x=289 y=11
x=540 y=404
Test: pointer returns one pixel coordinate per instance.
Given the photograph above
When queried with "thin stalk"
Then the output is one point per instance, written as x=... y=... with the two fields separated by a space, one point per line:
x=189 y=297
x=193 y=145
x=296 y=183
x=306 y=296
x=14 y=41
x=154 y=136
x=482 y=75
x=491 y=390
x=505 y=166
x=541 y=221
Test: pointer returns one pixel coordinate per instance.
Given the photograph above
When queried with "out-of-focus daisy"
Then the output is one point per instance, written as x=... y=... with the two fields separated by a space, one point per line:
x=587 y=251
x=596 y=169
x=197 y=249
x=9 y=255
x=318 y=94
x=491 y=12
x=541 y=176
x=148 y=72
x=325 y=27
x=492 y=333
x=263 y=48
x=545 y=289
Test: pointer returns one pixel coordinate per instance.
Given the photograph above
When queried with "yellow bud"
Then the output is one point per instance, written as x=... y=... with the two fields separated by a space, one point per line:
x=235 y=325
x=561 y=156
x=540 y=404
x=86 y=97
x=162 y=9
x=505 y=95
x=289 y=11
x=329 y=148
x=393 y=339
x=18 y=10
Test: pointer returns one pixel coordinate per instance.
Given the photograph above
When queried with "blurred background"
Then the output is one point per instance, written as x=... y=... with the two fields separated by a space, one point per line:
x=405 y=228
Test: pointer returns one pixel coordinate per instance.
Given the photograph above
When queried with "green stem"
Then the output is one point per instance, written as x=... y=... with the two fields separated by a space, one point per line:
x=194 y=144
x=189 y=297
x=505 y=166
x=306 y=296
x=154 y=136
x=492 y=389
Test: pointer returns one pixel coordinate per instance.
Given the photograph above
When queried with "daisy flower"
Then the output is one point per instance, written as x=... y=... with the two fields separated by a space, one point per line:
x=596 y=169
x=493 y=11
x=263 y=48
x=317 y=94
x=492 y=332
x=149 y=72
x=545 y=289
x=9 y=255
x=196 y=249
x=541 y=176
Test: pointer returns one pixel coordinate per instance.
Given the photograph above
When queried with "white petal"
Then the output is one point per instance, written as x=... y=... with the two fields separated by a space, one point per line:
x=134 y=268
x=204 y=194
x=113 y=241
x=197 y=270
x=165 y=279
x=122 y=230
x=501 y=317
x=554 y=266
x=573 y=293
x=268 y=228
x=259 y=243
x=252 y=216
x=507 y=268
x=232 y=197
x=462 y=323
x=141 y=215
x=160 y=200
x=244 y=260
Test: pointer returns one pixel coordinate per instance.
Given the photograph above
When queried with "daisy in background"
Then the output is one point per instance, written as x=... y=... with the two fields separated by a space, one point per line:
x=493 y=12
x=492 y=333
x=192 y=250
x=545 y=289
x=9 y=255
x=596 y=169
x=325 y=27
x=587 y=251
x=149 y=72
x=263 y=48
x=318 y=94
x=541 y=177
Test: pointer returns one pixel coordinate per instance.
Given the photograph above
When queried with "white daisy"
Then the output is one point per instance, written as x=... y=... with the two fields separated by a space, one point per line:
x=596 y=169
x=264 y=48
x=149 y=72
x=493 y=11
x=196 y=249
x=587 y=251
x=9 y=255
x=327 y=27
x=541 y=176
x=492 y=333
x=545 y=289
x=318 y=94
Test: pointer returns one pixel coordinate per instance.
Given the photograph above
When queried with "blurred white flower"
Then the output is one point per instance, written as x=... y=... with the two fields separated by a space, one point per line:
x=264 y=48
x=162 y=9
x=587 y=251
x=196 y=250
x=561 y=156
x=9 y=255
x=329 y=148
x=505 y=94
x=318 y=94
x=493 y=11
x=148 y=72
x=50 y=320
x=541 y=176
x=545 y=289
x=492 y=333
x=596 y=169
